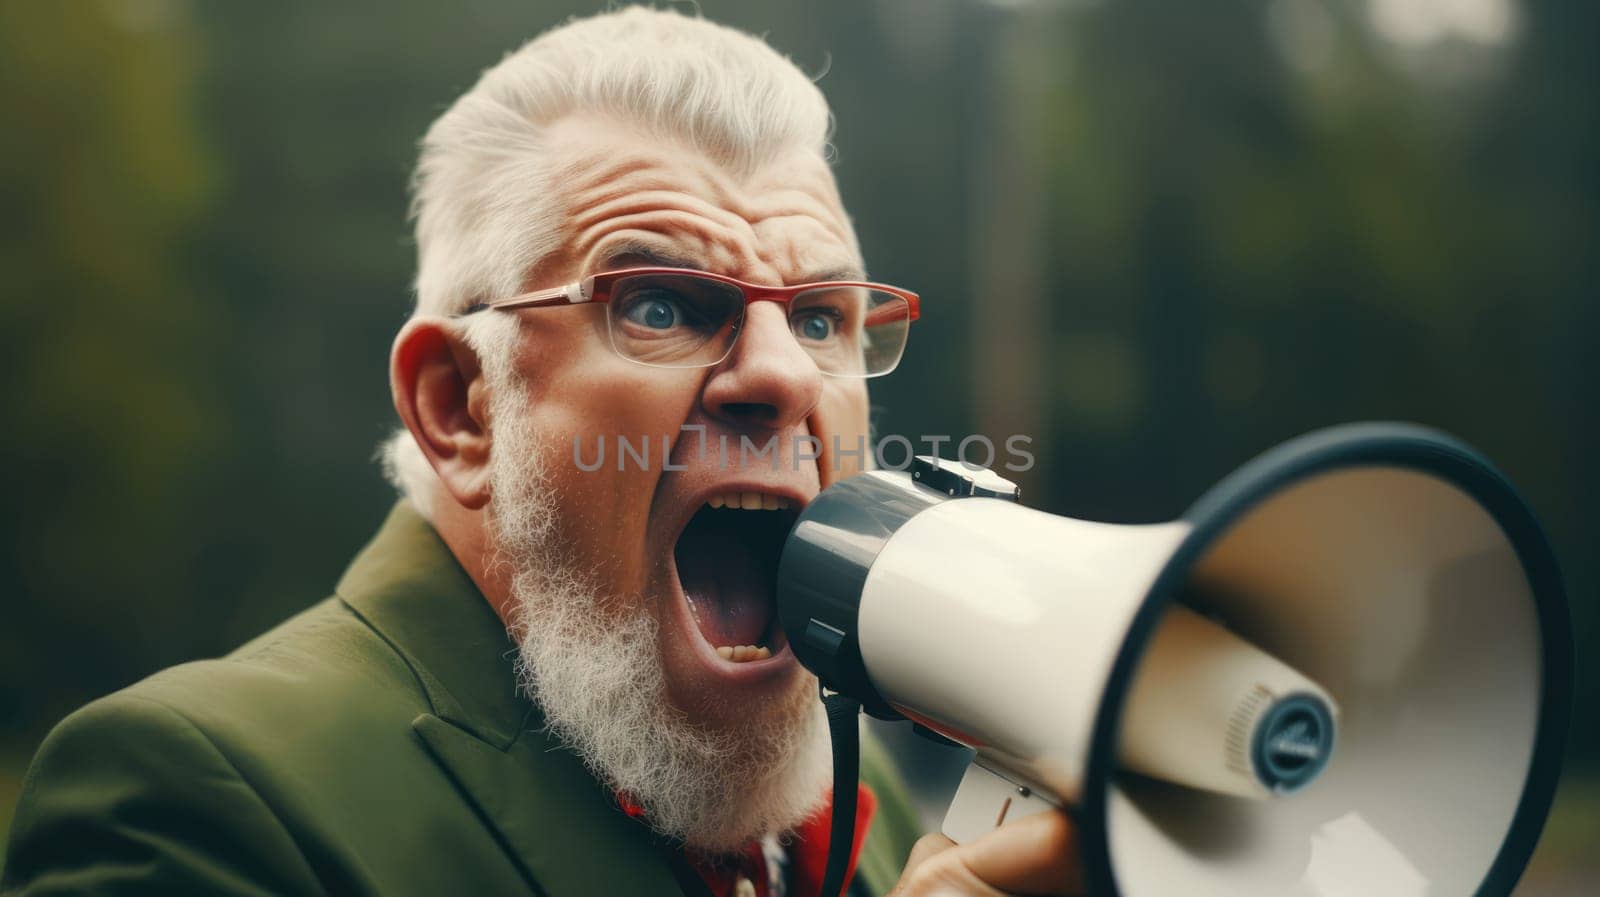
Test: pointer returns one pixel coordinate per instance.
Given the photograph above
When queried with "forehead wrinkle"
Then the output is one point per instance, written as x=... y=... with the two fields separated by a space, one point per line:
x=814 y=183
x=666 y=201
x=671 y=229
x=704 y=188
x=807 y=263
x=643 y=172
x=599 y=170
x=603 y=163
x=836 y=227
x=815 y=202
x=811 y=244
x=796 y=205
x=639 y=172
x=591 y=178
x=769 y=225
x=645 y=244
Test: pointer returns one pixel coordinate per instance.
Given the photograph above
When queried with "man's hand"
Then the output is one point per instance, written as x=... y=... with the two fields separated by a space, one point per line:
x=1037 y=855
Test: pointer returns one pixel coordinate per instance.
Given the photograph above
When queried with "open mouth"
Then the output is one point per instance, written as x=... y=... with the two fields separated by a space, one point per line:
x=727 y=560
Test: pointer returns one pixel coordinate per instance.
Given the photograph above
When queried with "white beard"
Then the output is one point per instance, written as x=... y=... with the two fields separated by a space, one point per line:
x=598 y=677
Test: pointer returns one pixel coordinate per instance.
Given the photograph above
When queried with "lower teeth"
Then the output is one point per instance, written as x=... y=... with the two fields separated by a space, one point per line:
x=744 y=653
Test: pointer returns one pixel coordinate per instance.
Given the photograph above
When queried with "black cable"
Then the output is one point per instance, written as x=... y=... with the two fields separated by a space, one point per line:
x=844 y=714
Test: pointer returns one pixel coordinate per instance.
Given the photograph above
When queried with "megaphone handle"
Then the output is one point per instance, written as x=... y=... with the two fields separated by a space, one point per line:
x=844 y=729
x=985 y=800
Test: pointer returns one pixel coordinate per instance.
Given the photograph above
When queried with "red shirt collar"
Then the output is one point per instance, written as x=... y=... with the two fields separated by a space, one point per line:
x=808 y=852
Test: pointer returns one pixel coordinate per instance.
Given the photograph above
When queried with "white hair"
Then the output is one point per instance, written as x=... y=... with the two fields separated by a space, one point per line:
x=481 y=196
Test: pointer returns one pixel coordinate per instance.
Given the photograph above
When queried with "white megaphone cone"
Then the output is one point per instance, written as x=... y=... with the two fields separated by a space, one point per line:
x=1344 y=673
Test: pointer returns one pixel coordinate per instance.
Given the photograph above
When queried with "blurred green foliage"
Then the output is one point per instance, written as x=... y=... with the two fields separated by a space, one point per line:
x=108 y=349
x=1156 y=237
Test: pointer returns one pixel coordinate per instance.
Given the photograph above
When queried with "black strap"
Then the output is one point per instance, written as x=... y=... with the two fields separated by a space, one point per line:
x=844 y=728
x=689 y=880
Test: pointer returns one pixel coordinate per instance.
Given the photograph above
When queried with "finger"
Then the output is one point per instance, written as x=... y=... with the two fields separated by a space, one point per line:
x=1037 y=854
x=926 y=846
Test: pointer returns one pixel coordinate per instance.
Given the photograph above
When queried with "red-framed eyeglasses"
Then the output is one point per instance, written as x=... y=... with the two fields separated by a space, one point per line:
x=678 y=318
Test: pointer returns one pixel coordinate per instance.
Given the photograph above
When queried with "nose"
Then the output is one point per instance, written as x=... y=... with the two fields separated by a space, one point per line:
x=767 y=381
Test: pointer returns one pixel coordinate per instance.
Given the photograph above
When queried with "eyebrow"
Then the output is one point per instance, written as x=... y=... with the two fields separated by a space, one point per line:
x=638 y=253
x=635 y=253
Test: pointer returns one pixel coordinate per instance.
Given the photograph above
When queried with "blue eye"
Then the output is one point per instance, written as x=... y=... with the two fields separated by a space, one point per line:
x=655 y=312
x=814 y=327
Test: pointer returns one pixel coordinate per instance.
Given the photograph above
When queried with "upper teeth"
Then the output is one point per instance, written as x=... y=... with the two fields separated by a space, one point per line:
x=749 y=501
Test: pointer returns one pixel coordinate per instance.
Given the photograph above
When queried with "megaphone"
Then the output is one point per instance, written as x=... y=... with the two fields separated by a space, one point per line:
x=1345 y=672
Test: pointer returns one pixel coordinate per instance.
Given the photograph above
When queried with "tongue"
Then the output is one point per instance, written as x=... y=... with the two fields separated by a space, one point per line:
x=727 y=573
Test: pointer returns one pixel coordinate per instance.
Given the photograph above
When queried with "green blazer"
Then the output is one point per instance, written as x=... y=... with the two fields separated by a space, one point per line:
x=374 y=744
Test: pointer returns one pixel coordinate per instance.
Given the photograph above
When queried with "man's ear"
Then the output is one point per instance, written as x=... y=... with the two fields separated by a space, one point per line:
x=441 y=397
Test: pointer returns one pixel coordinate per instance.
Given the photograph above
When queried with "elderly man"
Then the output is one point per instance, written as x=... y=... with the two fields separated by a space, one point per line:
x=550 y=673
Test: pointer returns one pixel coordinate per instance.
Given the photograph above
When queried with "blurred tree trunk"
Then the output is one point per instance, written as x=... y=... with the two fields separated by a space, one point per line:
x=1010 y=323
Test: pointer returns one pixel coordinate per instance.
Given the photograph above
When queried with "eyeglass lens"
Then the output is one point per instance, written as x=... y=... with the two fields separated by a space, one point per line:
x=678 y=320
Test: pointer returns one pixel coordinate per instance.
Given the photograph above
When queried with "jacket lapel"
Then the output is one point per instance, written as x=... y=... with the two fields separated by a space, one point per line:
x=545 y=809
x=550 y=814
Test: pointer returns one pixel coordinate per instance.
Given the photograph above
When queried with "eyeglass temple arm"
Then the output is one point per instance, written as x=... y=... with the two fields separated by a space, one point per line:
x=888 y=314
x=571 y=294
